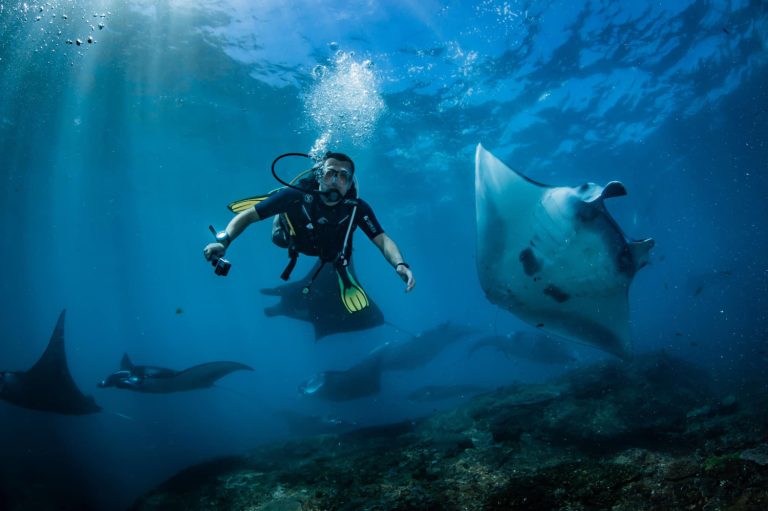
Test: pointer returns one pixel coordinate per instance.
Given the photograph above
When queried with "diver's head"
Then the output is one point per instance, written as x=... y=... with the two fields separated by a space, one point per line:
x=335 y=176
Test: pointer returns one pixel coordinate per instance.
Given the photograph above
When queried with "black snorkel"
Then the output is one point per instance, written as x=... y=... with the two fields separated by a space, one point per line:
x=279 y=179
x=329 y=195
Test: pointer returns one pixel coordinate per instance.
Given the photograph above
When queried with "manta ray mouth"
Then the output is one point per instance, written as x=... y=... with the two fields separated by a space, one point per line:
x=312 y=385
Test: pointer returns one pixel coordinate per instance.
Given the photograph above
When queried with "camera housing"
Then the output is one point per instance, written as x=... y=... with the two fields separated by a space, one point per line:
x=221 y=267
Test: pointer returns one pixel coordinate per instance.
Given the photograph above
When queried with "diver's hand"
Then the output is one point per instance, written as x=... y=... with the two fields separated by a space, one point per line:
x=213 y=251
x=407 y=275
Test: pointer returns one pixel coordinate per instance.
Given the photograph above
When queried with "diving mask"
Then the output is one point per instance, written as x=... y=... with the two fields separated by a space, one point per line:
x=341 y=176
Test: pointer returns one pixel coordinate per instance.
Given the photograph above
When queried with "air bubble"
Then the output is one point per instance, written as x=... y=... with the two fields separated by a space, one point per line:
x=345 y=103
x=318 y=71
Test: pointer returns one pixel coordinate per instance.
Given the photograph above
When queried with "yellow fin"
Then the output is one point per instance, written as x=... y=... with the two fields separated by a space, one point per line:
x=243 y=204
x=352 y=295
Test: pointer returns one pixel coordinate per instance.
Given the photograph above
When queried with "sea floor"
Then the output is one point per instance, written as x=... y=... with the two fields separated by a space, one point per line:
x=650 y=434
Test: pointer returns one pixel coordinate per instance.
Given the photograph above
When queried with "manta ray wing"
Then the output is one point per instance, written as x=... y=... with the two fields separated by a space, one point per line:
x=196 y=377
x=418 y=351
x=48 y=385
x=554 y=256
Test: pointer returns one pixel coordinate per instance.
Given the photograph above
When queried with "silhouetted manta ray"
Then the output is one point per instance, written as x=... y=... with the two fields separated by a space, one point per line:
x=554 y=256
x=322 y=305
x=418 y=351
x=361 y=380
x=47 y=386
x=364 y=378
x=160 y=380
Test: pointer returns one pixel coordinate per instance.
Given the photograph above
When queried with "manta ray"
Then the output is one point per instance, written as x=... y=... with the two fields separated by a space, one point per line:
x=554 y=256
x=421 y=349
x=321 y=305
x=364 y=378
x=361 y=380
x=161 y=380
x=47 y=386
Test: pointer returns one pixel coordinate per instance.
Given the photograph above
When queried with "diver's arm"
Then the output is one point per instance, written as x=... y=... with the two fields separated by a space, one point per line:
x=392 y=254
x=235 y=227
x=242 y=220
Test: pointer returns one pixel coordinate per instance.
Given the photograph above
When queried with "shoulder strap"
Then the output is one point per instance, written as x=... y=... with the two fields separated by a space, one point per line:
x=343 y=255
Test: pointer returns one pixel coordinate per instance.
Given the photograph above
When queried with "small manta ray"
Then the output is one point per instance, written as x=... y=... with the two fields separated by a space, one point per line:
x=421 y=349
x=359 y=381
x=160 y=380
x=554 y=256
x=364 y=378
x=47 y=386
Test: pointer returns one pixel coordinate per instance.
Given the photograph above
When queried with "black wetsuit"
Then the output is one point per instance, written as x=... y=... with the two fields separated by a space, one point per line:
x=320 y=229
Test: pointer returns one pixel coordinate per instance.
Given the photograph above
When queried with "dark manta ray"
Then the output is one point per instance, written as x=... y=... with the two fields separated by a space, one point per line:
x=554 y=256
x=322 y=305
x=364 y=378
x=160 y=380
x=361 y=380
x=418 y=351
x=47 y=386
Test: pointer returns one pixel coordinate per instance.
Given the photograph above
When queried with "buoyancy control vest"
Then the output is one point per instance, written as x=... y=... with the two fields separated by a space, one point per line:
x=316 y=230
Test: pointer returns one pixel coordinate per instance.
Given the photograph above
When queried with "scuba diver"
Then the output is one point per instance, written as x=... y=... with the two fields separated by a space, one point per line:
x=315 y=217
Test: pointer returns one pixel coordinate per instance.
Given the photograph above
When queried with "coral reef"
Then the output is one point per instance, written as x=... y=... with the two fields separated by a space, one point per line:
x=648 y=434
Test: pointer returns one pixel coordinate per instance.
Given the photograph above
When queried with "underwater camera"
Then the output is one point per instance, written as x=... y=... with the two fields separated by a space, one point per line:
x=221 y=267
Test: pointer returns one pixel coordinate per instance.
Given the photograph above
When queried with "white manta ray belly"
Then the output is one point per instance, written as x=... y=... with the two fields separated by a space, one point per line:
x=554 y=256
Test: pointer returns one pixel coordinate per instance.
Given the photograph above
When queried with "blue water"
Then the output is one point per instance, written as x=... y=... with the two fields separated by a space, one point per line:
x=116 y=154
